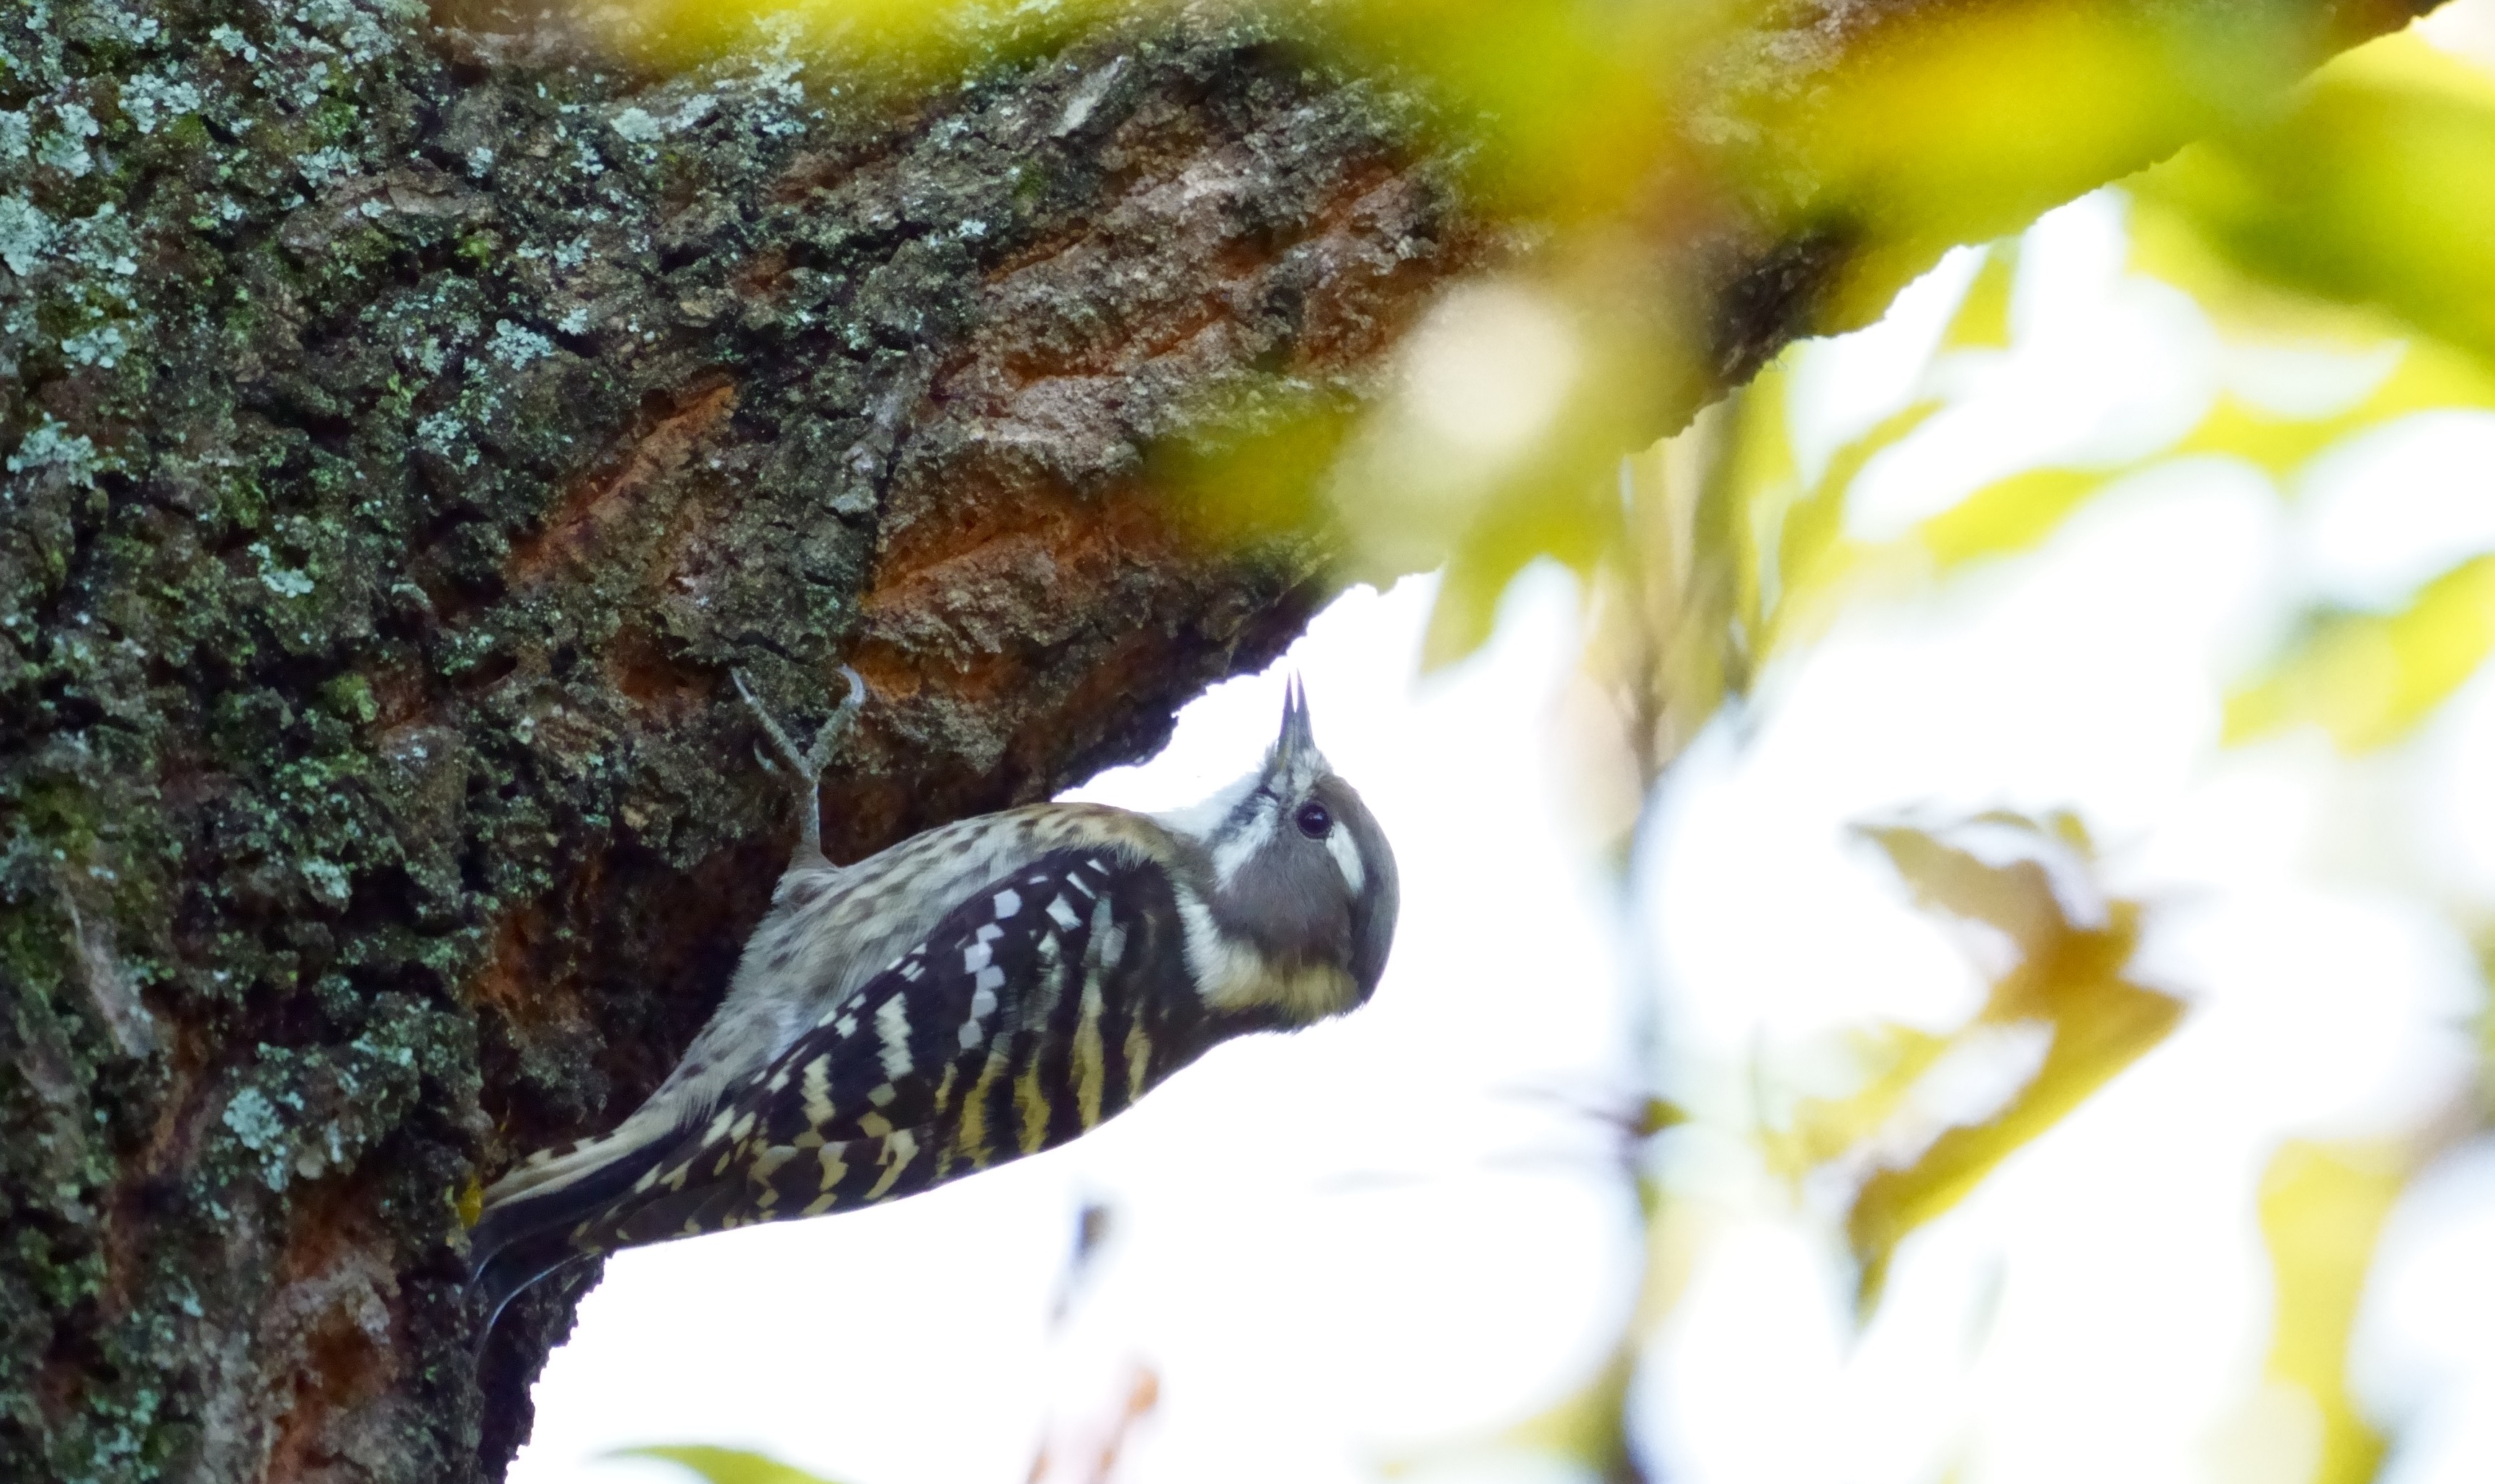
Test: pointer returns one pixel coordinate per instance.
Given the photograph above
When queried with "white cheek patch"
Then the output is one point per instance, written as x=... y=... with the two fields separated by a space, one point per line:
x=1232 y=975
x=1226 y=973
x=1347 y=858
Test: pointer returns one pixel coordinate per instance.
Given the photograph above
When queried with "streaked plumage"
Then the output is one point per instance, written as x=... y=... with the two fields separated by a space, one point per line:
x=979 y=992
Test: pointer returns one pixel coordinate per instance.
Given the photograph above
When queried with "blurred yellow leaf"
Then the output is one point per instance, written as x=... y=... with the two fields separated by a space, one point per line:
x=2376 y=187
x=2067 y=979
x=2101 y=1024
x=2425 y=377
x=1506 y=446
x=1811 y=556
x=1962 y=133
x=2018 y=512
x=1982 y=322
x=2008 y=515
x=1589 y=1426
x=1502 y=543
x=2369 y=678
x=2015 y=897
x=724 y=1465
x=2278 y=231
x=1667 y=643
x=2168 y=244
x=1823 y=1130
x=1577 y=99
x=2322 y=1210
x=1758 y=479
x=2278 y=444
x=1722 y=554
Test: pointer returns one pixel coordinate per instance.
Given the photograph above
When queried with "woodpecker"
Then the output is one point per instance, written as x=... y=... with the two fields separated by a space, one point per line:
x=979 y=992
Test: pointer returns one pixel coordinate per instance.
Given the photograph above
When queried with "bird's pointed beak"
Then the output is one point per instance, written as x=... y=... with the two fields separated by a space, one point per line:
x=1297 y=739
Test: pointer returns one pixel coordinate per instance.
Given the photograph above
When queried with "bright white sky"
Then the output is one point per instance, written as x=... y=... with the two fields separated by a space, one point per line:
x=1380 y=1242
x=1380 y=1232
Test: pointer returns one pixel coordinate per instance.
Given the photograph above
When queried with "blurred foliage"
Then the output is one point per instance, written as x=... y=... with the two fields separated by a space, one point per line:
x=2353 y=223
x=2369 y=678
x=2069 y=943
x=726 y=1466
x=1719 y=557
x=2378 y=187
x=2279 y=238
x=2351 y=215
x=2322 y=1207
x=1913 y=137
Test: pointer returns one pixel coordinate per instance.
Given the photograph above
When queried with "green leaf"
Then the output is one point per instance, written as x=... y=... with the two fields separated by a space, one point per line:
x=2376 y=188
x=2368 y=679
x=1967 y=133
x=724 y=1465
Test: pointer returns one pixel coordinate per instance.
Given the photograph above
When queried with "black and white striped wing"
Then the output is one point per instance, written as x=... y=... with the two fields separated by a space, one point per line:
x=1045 y=1004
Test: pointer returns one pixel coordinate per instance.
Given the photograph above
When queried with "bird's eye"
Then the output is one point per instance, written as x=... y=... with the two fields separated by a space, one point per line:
x=1313 y=820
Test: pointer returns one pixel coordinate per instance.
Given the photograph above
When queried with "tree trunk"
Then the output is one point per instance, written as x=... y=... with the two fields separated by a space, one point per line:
x=410 y=430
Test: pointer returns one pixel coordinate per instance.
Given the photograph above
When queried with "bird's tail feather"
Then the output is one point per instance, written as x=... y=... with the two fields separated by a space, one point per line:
x=525 y=1233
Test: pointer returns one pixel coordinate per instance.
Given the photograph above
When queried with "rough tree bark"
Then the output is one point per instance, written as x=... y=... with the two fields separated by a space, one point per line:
x=408 y=428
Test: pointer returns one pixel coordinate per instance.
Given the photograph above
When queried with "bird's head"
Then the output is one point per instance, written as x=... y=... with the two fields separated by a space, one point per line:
x=1300 y=876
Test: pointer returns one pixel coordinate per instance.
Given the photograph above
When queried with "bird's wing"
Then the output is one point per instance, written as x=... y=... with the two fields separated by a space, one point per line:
x=1041 y=1004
